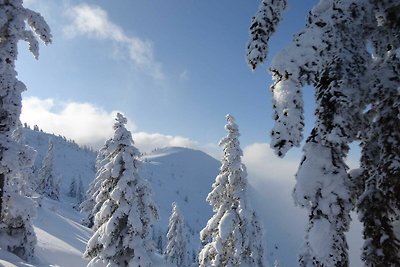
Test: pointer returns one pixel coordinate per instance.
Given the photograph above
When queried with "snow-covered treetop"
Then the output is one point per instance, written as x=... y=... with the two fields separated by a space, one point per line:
x=232 y=128
x=121 y=121
x=122 y=137
x=263 y=25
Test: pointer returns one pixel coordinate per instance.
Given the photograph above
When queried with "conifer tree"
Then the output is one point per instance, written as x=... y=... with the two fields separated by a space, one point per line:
x=48 y=183
x=233 y=236
x=333 y=54
x=72 y=188
x=176 y=250
x=16 y=232
x=80 y=191
x=14 y=219
x=125 y=219
x=90 y=206
x=379 y=202
x=23 y=180
x=79 y=194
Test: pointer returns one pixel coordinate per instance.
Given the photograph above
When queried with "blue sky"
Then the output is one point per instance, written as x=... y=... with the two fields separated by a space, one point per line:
x=188 y=72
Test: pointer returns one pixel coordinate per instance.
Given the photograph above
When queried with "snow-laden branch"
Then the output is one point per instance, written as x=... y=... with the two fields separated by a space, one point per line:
x=263 y=25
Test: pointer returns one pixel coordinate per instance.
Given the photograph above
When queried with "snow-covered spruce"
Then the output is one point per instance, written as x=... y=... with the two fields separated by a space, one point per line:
x=233 y=236
x=24 y=180
x=48 y=184
x=72 y=188
x=379 y=203
x=330 y=54
x=16 y=210
x=16 y=231
x=77 y=191
x=90 y=206
x=263 y=25
x=323 y=185
x=126 y=218
x=176 y=251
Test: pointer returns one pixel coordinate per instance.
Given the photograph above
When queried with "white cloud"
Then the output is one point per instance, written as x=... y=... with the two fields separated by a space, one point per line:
x=262 y=162
x=149 y=141
x=93 y=21
x=88 y=124
x=83 y=122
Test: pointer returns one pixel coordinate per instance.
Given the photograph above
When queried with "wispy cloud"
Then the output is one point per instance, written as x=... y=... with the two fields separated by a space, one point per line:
x=93 y=21
x=184 y=75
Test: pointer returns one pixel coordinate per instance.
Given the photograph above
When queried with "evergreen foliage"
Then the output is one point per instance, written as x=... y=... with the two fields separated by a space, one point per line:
x=176 y=251
x=16 y=232
x=127 y=215
x=349 y=52
x=48 y=183
x=263 y=25
x=72 y=188
x=90 y=206
x=233 y=236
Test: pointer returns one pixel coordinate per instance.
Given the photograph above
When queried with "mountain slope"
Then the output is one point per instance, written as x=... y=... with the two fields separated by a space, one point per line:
x=183 y=176
x=178 y=175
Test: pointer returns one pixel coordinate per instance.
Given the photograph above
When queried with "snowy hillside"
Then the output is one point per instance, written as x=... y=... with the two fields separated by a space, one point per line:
x=70 y=160
x=183 y=176
x=178 y=175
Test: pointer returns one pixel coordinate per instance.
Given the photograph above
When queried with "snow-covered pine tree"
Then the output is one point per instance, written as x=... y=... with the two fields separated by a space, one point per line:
x=233 y=236
x=15 y=210
x=80 y=191
x=79 y=194
x=48 y=184
x=176 y=250
x=16 y=231
x=90 y=206
x=330 y=54
x=127 y=216
x=72 y=188
x=13 y=29
x=379 y=203
x=24 y=179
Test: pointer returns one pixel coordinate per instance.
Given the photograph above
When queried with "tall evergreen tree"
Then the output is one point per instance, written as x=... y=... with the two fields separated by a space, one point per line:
x=233 y=236
x=80 y=191
x=14 y=219
x=379 y=202
x=125 y=219
x=72 y=188
x=90 y=206
x=176 y=250
x=16 y=232
x=48 y=184
x=24 y=179
x=333 y=54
